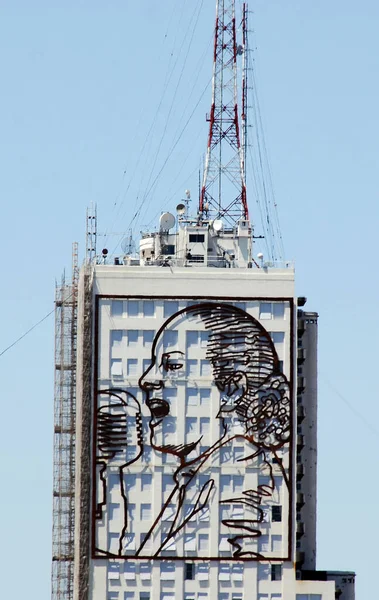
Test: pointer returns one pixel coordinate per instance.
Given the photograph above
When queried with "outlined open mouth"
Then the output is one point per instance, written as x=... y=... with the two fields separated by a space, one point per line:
x=158 y=407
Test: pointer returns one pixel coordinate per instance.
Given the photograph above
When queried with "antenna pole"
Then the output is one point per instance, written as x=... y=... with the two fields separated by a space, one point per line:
x=223 y=191
x=91 y=233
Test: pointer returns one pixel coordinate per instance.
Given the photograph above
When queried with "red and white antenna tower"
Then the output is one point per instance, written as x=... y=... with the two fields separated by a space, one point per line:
x=223 y=191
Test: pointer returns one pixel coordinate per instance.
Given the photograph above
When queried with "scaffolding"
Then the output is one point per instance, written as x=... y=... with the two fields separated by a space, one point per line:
x=66 y=307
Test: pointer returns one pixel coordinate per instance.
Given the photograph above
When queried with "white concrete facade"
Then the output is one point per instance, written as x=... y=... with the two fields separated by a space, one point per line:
x=188 y=554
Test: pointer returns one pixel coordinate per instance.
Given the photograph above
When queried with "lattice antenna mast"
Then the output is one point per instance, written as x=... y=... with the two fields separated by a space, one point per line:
x=223 y=192
x=245 y=72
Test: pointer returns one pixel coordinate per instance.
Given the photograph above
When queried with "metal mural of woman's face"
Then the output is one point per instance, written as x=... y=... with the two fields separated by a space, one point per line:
x=242 y=367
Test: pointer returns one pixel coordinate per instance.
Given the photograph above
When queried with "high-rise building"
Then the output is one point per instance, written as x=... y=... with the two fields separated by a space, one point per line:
x=185 y=462
x=196 y=448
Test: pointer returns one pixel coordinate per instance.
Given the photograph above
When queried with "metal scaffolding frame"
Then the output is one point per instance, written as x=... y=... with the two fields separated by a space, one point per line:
x=66 y=308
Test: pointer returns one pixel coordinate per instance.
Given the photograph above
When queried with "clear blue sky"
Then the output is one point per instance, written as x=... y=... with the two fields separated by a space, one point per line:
x=80 y=85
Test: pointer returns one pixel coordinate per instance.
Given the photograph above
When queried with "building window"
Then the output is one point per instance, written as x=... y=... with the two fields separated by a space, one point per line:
x=263 y=571
x=308 y=597
x=147 y=546
x=132 y=366
x=278 y=310
x=144 y=596
x=276 y=543
x=191 y=426
x=276 y=572
x=265 y=310
x=133 y=335
x=167 y=596
x=237 y=572
x=170 y=308
x=170 y=339
x=146 y=481
x=133 y=308
x=144 y=568
x=148 y=308
x=271 y=310
x=196 y=238
x=276 y=514
x=205 y=368
x=238 y=454
x=224 y=572
x=116 y=367
x=190 y=543
x=191 y=397
x=168 y=570
x=263 y=543
x=192 y=367
x=114 y=571
x=205 y=395
x=238 y=483
x=202 y=572
x=130 y=571
x=204 y=425
x=189 y=571
x=148 y=337
x=117 y=308
x=277 y=337
x=167 y=483
x=226 y=483
x=145 y=512
x=116 y=338
x=203 y=541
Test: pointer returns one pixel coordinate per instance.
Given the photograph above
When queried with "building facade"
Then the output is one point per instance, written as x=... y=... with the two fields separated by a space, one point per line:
x=196 y=424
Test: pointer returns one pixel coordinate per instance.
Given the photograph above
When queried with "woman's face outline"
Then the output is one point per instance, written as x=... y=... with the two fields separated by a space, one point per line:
x=167 y=370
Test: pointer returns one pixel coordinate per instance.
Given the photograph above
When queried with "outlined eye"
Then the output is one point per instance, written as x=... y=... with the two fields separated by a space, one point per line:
x=171 y=356
x=173 y=366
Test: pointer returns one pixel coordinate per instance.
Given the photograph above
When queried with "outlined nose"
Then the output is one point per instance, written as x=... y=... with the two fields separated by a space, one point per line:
x=148 y=386
x=147 y=381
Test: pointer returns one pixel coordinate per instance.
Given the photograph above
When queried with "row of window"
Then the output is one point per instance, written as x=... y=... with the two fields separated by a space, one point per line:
x=204 y=596
x=227 y=511
x=139 y=337
x=130 y=367
x=200 y=571
x=193 y=396
x=146 y=308
x=228 y=483
x=194 y=542
x=193 y=368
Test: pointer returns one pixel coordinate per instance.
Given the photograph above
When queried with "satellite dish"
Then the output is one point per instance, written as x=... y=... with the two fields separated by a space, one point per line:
x=166 y=221
x=127 y=245
x=181 y=209
x=217 y=225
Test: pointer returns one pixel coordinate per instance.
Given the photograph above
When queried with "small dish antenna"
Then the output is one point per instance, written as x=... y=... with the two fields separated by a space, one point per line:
x=166 y=221
x=217 y=225
x=127 y=245
x=181 y=209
